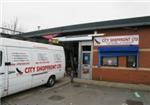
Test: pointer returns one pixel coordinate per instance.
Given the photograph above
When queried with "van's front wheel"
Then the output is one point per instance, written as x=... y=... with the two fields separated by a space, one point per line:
x=51 y=81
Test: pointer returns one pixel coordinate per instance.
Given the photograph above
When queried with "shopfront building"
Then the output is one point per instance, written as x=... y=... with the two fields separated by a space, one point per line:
x=116 y=50
x=122 y=55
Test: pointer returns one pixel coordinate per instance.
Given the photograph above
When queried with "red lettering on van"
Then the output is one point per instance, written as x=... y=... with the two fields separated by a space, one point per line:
x=42 y=68
x=29 y=69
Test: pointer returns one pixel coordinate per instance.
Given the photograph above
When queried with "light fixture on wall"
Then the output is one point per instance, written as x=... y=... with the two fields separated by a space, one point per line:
x=94 y=35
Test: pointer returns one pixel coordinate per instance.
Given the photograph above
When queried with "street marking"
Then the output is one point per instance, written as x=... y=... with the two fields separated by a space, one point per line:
x=137 y=94
x=124 y=104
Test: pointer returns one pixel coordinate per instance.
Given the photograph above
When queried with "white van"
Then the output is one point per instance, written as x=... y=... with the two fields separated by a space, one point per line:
x=25 y=65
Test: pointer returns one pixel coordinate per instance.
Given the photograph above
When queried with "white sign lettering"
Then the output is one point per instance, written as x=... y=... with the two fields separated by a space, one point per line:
x=117 y=40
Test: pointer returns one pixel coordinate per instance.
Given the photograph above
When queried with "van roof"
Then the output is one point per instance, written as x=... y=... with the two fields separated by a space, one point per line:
x=27 y=44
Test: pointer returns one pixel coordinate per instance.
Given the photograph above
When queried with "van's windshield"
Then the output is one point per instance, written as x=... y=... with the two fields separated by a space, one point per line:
x=0 y=58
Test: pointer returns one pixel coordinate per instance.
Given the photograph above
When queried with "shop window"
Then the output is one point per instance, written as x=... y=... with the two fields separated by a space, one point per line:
x=0 y=58
x=109 y=61
x=108 y=55
x=132 y=61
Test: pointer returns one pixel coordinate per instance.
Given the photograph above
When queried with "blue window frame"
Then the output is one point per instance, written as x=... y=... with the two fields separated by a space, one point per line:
x=116 y=51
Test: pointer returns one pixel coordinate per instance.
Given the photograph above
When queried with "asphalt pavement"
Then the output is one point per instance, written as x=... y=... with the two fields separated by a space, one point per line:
x=66 y=93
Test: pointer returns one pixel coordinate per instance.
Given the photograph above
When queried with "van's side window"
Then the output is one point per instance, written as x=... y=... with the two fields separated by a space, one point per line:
x=0 y=58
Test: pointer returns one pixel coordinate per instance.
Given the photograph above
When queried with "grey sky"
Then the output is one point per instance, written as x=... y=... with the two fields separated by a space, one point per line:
x=54 y=14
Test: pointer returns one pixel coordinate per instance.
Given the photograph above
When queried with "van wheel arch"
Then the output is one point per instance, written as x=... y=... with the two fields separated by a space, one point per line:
x=51 y=81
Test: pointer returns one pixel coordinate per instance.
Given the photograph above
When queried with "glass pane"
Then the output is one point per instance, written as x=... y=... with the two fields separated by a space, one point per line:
x=0 y=58
x=86 y=58
x=109 y=61
x=131 y=61
x=86 y=48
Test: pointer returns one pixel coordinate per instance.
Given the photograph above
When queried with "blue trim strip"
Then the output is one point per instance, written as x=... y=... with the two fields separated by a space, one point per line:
x=119 y=48
x=118 y=53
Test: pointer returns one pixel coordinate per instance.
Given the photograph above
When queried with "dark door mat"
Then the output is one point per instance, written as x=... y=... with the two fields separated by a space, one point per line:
x=133 y=102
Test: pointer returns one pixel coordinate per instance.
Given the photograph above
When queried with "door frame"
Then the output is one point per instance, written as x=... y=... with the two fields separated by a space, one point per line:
x=5 y=71
x=85 y=43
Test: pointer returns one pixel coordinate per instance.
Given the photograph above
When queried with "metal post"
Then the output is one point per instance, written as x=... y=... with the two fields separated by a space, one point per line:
x=72 y=67
x=72 y=76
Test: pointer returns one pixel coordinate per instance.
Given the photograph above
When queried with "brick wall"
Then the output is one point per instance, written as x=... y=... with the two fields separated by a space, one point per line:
x=122 y=73
x=119 y=75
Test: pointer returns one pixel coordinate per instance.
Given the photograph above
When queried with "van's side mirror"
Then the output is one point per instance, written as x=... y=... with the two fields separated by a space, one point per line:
x=7 y=63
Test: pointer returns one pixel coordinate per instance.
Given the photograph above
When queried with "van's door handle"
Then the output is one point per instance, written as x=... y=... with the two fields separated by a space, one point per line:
x=2 y=73
x=11 y=72
x=7 y=63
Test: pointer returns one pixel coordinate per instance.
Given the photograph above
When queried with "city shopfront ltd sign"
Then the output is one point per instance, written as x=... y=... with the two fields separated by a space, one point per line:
x=117 y=40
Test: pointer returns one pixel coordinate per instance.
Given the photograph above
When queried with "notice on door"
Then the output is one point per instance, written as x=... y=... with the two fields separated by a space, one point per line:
x=117 y=40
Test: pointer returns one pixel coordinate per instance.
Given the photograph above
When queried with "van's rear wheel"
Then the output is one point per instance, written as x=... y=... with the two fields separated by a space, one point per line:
x=51 y=81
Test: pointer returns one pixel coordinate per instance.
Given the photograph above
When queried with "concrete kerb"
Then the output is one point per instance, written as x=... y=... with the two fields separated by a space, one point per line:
x=66 y=81
x=113 y=84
